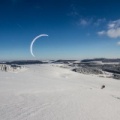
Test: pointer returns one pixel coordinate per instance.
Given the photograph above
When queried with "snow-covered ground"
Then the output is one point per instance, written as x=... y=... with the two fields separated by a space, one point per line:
x=49 y=92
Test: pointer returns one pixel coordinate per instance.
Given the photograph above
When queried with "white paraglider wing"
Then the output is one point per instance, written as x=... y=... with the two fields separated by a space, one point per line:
x=31 y=45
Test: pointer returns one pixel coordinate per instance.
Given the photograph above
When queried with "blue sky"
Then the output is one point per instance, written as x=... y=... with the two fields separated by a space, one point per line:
x=77 y=29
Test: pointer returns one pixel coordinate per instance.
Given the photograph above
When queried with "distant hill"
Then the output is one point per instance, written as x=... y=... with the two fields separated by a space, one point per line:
x=101 y=59
x=64 y=61
x=25 y=62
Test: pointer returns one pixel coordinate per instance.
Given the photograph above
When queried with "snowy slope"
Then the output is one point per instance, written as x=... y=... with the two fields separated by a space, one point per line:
x=48 y=92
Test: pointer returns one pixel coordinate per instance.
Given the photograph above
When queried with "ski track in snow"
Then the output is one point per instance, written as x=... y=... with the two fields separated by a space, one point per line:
x=48 y=92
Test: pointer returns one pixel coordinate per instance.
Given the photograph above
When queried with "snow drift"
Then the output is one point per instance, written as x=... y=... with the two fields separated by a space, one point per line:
x=48 y=92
